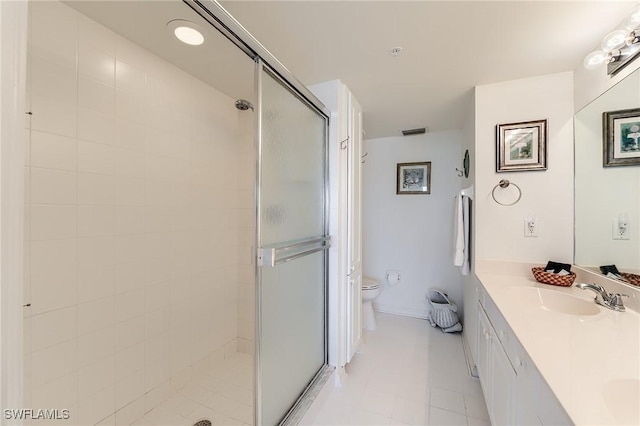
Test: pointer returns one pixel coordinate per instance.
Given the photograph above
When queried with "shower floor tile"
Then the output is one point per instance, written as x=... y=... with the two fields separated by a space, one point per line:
x=223 y=395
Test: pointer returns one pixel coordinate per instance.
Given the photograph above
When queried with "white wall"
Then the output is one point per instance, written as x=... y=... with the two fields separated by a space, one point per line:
x=132 y=222
x=13 y=41
x=411 y=233
x=468 y=134
x=547 y=194
x=470 y=282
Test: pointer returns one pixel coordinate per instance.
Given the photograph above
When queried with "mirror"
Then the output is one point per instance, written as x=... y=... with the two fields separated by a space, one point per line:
x=607 y=199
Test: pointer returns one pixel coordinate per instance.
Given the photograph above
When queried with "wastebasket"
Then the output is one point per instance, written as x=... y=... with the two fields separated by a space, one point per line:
x=442 y=311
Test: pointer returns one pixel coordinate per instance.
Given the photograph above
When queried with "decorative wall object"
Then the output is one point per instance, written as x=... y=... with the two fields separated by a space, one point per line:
x=621 y=134
x=466 y=163
x=521 y=146
x=414 y=178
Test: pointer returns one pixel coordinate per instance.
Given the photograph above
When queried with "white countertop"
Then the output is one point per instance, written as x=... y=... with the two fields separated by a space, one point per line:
x=591 y=363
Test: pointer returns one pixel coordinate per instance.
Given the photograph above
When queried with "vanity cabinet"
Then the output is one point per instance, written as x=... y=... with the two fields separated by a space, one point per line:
x=513 y=389
x=471 y=298
x=497 y=376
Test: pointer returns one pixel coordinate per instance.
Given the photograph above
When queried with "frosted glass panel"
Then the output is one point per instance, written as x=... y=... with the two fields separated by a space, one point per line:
x=292 y=349
x=292 y=204
x=292 y=186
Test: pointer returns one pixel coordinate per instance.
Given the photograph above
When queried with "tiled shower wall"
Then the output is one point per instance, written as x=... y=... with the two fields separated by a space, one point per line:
x=136 y=223
x=246 y=235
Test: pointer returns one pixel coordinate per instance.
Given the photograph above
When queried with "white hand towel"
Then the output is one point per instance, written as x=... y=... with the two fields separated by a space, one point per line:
x=461 y=242
x=458 y=242
x=465 y=219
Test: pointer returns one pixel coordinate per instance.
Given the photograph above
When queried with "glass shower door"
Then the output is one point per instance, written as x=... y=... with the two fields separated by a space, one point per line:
x=292 y=248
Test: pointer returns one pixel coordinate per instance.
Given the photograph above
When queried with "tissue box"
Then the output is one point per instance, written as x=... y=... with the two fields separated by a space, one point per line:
x=553 y=279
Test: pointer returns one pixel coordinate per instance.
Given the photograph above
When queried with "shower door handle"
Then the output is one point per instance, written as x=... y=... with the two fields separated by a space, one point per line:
x=273 y=255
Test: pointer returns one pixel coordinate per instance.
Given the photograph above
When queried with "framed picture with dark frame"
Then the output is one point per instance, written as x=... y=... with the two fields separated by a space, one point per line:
x=621 y=135
x=413 y=178
x=521 y=146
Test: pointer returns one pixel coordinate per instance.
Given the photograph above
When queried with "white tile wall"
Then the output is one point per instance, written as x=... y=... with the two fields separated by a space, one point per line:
x=137 y=241
x=245 y=217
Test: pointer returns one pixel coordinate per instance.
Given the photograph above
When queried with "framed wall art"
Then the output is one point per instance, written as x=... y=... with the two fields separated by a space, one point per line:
x=414 y=178
x=621 y=132
x=521 y=146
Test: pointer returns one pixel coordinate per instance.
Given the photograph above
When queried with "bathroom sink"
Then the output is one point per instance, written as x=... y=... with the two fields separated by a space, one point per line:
x=555 y=301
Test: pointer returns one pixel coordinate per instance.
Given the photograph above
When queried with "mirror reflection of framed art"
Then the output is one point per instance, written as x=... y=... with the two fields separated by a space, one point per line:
x=621 y=135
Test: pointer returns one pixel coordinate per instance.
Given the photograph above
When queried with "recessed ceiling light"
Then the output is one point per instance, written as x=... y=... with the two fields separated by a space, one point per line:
x=187 y=32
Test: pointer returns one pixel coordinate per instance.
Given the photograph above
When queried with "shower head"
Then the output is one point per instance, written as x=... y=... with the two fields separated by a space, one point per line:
x=243 y=105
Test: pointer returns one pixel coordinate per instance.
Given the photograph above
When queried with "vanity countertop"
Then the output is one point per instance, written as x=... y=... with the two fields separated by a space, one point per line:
x=591 y=363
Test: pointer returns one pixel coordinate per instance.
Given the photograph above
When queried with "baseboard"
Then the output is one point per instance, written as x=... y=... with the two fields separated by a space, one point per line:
x=401 y=310
x=471 y=367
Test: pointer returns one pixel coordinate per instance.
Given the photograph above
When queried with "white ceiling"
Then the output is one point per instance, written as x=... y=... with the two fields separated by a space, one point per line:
x=449 y=47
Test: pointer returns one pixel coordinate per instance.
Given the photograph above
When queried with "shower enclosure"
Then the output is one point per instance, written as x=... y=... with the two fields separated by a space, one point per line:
x=175 y=220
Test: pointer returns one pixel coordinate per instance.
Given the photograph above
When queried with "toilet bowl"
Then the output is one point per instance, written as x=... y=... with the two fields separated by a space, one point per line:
x=370 y=292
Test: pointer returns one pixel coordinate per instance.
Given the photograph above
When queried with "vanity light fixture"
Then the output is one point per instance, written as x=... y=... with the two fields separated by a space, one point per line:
x=619 y=47
x=186 y=31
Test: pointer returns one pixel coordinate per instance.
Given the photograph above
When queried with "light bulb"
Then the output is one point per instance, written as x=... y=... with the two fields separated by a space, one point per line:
x=186 y=31
x=634 y=19
x=595 y=59
x=614 y=40
x=189 y=36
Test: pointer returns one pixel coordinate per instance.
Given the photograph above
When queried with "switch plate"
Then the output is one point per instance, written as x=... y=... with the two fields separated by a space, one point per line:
x=619 y=234
x=531 y=231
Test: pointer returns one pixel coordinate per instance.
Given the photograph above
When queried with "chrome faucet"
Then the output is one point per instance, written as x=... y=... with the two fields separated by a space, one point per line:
x=612 y=301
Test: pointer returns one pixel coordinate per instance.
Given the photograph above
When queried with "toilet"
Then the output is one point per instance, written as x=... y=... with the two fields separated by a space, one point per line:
x=370 y=292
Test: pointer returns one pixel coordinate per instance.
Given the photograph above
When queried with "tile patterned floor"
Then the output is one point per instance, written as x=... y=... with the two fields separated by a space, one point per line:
x=224 y=396
x=405 y=373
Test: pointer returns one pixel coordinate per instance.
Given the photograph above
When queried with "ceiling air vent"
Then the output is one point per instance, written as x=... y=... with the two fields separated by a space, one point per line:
x=414 y=131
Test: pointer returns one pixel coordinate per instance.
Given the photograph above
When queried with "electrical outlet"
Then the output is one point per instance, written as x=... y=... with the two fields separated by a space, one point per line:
x=620 y=232
x=531 y=227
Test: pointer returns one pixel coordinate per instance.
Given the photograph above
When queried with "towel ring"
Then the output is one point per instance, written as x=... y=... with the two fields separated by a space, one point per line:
x=504 y=183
